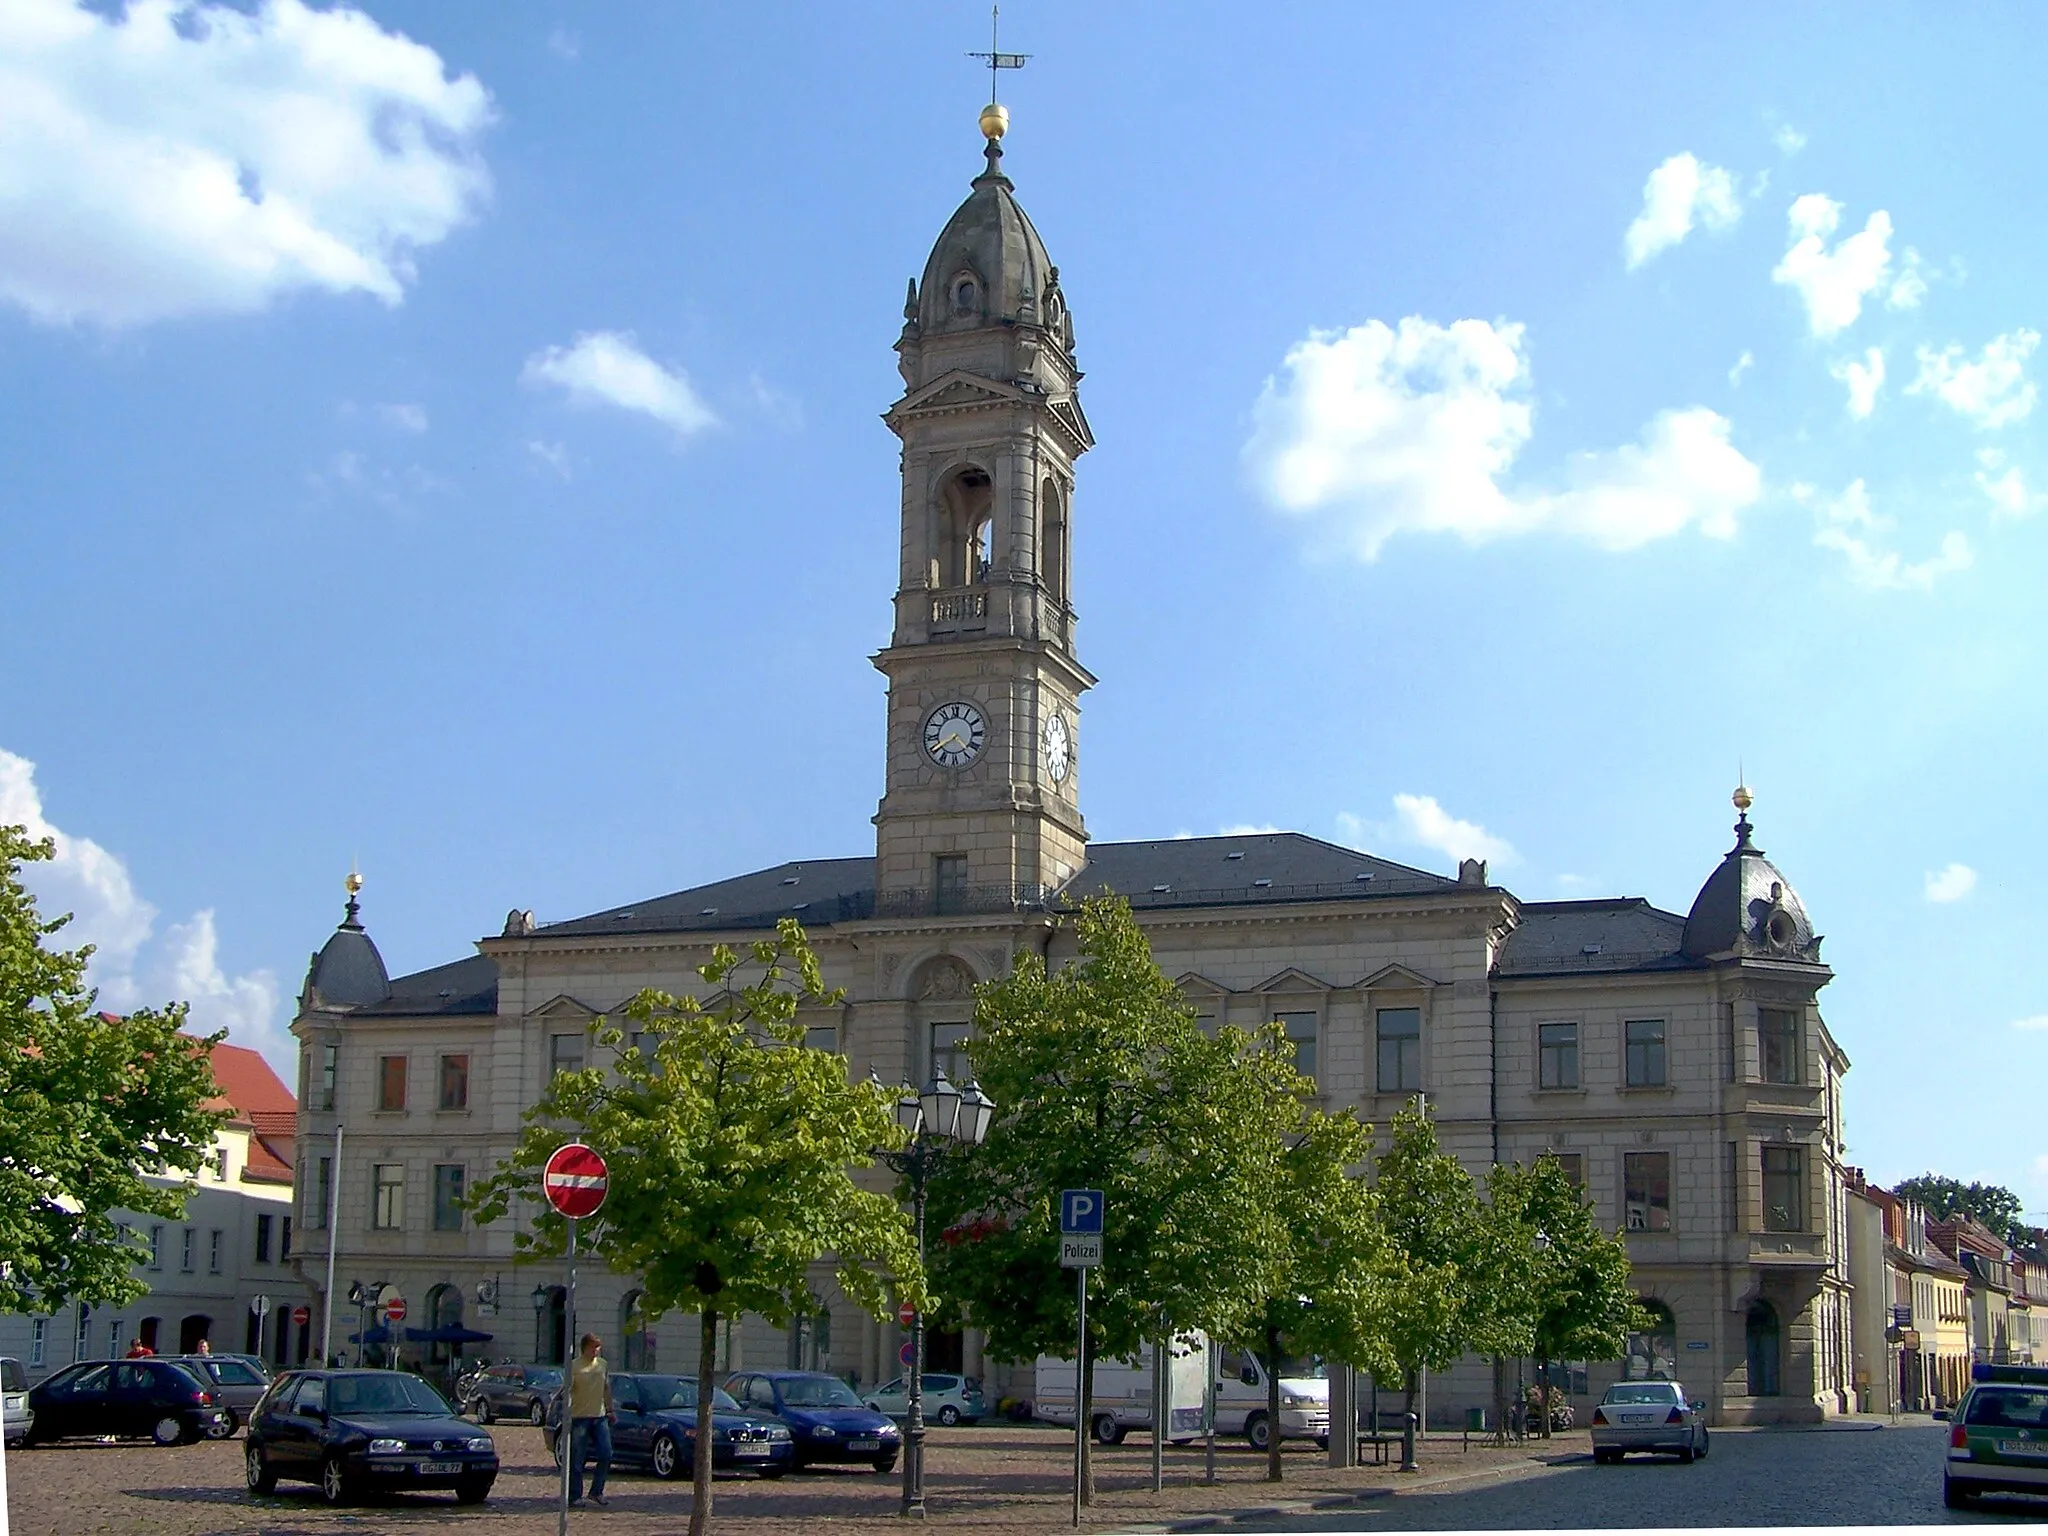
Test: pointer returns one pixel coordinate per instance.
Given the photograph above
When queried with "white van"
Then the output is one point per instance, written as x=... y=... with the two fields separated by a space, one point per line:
x=1122 y=1398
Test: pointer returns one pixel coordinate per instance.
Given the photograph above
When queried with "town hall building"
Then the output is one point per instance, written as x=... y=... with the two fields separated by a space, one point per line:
x=1677 y=1063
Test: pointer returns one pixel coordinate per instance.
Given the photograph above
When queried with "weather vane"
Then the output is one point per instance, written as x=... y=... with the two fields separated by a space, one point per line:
x=996 y=59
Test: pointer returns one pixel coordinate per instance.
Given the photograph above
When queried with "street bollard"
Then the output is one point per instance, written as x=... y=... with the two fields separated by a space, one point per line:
x=1408 y=1444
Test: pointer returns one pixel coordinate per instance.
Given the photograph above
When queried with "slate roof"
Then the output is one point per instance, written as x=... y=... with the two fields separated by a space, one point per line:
x=1567 y=938
x=462 y=986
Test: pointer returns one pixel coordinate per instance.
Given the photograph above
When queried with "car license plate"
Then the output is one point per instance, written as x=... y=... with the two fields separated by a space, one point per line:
x=755 y=1448
x=863 y=1445
x=439 y=1468
x=2023 y=1447
x=1637 y=1418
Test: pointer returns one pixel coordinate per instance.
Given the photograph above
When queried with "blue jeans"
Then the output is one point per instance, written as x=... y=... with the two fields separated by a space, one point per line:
x=588 y=1439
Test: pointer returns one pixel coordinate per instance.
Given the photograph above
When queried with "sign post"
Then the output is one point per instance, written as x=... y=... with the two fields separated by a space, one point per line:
x=259 y=1308
x=575 y=1182
x=1081 y=1251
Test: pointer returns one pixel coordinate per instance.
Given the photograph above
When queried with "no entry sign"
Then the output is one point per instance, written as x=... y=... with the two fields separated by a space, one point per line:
x=906 y=1314
x=302 y=1316
x=575 y=1180
x=394 y=1309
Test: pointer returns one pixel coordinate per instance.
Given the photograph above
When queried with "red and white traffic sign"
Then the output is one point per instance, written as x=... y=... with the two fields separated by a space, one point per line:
x=394 y=1309
x=302 y=1316
x=906 y=1314
x=575 y=1180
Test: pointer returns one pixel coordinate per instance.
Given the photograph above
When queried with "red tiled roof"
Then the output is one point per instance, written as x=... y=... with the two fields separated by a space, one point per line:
x=266 y=1164
x=248 y=1085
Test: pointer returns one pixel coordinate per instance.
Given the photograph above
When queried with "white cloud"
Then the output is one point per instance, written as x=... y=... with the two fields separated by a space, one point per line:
x=1834 y=283
x=1420 y=820
x=608 y=368
x=1789 y=140
x=406 y=418
x=554 y=456
x=131 y=966
x=2038 y=1022
x=1992 y=391
x=1742 y=365
x=1849 y=526
x=176 y=158
x=1679 y=193
x=2008 y=491
x=565 y=44
x=1952 y=882
x=1247 y=829
x=1381 y=430
x=1909 y=287
x=1865 y=377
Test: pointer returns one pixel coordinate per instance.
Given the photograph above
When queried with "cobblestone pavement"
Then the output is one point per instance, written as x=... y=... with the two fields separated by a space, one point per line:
x=1830 y=1477
x=997 y=1480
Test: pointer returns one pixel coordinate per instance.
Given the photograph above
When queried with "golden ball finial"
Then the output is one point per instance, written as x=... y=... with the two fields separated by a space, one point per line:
x=1742 y=799
x=995 y=120
x=353 y=883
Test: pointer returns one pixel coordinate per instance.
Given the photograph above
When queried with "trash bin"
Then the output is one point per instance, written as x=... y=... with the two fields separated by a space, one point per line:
x=1475 y=1420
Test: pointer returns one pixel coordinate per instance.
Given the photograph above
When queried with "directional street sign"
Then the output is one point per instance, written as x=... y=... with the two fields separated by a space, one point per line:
x=1080 y=1250
x=575 y=1180
x=1080 y=1210
x=259 y=1304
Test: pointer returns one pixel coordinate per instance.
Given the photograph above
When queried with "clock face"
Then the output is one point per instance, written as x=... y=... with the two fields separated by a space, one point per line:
x=953 y=734
x=1059 y=747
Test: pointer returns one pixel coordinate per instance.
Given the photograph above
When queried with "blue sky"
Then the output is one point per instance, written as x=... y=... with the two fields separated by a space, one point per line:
x=445 y=437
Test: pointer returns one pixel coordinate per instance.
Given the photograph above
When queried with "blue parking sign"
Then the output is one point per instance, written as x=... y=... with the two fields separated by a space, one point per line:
x=1080 y=1211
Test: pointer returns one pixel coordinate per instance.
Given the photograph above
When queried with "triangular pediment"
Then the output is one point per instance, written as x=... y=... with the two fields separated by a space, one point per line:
x=1293 y=980
x=1196 y=982
x=957 y=391
x=1395 y=978
x=1075 y=420
x=563 y=1006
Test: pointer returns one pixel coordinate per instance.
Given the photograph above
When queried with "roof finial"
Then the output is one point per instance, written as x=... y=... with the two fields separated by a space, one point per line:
x=1742 y=800
x=995 y=117
x=352 y=884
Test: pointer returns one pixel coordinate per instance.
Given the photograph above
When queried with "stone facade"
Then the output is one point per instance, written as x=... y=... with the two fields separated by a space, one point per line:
x=1680 y=1060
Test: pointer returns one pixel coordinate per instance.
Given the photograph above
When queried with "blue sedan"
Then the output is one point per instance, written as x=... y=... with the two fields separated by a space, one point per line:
x=657 y=1428
x=827 y=1421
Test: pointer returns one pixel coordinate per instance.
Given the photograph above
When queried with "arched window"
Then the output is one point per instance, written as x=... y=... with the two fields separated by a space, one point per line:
x=1764 y=1339
x=442 y=1318
x=551 y=1327
x=1653 y=1351
x=1053 y=556
x=636 y=1344
x=966 y=528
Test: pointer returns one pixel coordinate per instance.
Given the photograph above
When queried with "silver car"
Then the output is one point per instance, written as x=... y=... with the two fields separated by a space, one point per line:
x=946 y=1399
x=15 y=1414
x=1648 y=1416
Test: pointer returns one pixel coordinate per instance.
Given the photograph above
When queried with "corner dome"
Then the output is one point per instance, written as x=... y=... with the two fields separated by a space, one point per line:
x=1748 y=908
x=348 y=972
x=989 y=266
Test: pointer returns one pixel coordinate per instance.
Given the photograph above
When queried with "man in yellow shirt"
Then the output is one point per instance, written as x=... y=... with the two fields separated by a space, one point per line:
x=591 y=1412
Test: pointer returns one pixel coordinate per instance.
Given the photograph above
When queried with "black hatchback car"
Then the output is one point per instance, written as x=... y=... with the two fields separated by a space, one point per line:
x=357 y=1432
x=158 y=1399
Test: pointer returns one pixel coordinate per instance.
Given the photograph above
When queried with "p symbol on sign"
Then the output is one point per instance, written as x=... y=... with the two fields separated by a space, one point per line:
x=1080 y=1211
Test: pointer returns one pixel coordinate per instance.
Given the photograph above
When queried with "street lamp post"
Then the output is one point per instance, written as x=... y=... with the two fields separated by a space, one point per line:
x=939 y=1120
x=540 y=1305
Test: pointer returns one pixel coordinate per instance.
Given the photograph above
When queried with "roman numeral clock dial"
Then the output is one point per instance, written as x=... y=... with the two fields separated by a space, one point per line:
x=953 y=734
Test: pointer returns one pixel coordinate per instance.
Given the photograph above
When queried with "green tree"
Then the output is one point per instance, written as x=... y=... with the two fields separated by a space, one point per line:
x=1946 y=1199
x=102 y=1114
x=732 y=1151
x=1430 y=1210
x=1103 y=1080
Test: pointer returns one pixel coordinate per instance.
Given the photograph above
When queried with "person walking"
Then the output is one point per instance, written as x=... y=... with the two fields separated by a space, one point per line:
x=591 y=1412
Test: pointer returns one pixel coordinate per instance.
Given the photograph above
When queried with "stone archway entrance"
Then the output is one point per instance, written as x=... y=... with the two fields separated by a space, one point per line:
x=1765 y=1340
x=196 y=1326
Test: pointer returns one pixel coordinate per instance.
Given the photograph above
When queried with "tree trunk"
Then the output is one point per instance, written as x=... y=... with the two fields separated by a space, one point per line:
x=1411 y=1384
x=707 y=1385
x=1272 y=1405
x=1543 y=1393
x=1084 y=1406
x=1500 y=1398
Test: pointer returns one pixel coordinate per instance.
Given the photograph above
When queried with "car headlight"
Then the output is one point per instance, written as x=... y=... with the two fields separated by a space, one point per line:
x=779 y=1433
x=478 y=1443
x=1296 y=1400
x=386 y=1447
x=824 y=1431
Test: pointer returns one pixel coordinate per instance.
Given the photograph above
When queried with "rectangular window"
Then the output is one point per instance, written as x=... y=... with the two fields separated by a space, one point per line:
x=821 y=1037
x=951 y=1052
x=1206 y=1023
x=388 y=1191
x=448 y=1197
x=391 y=1082
x=1300 y=1030
x=1573 y=1165
x=565 y=1053
x=1557 y=1055
x=949 y=883
x=38 y=1341
x=322 y=1194
x=117 y=1336
x=81 y=1338
x=1400 y=1043
x=213 y=1251
x=263 y=1239
x=455 y=1082
x=1784 y=1189
x=284 y=1239
x=1644 y=1042
x=185 y=1253
x=1646 y=1190
x=329 y=1057
x=156 y=1247
x=1777 y=1035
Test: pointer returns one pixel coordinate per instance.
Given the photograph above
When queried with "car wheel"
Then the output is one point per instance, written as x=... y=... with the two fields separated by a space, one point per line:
x=480 y=1409
x=770 y=1474
x=473 y=1490
x=667 y=1458
x=168 y=1430
x=1257 y=1432
x=536 y=1412
x=336 y=1486
x=224 y=1428
x=1955 y=1495
x=1688 y=1453
x=1106 y=1430
x=261 y=1478
x=948 y=1415
x=1703 y=1440
x=885 y=1465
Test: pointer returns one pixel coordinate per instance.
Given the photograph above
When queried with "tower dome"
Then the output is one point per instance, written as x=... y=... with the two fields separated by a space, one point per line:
x=347 y=972
x=1747 y=907
x=989 y=268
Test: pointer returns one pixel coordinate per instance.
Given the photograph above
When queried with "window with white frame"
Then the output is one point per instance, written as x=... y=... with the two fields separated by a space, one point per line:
x=1643 y=1043
x=1400 y=1050
x=448 y=1179
x=156 y=1246
x=323 y=1098
x=81 y=1337
x=1557 y=1055
x=952 y=1053
x=1784 y=1189
x=565 y=1053
x=38 y=1341
x=388 y=1196
x=186 y=1238
x=213 y=1245
x=1777 y=1035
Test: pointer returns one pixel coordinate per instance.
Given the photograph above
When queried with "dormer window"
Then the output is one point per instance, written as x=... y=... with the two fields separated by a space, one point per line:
x=966 y=296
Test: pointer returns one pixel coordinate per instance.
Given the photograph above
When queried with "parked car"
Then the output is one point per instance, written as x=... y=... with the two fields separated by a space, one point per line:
x=826 y=1418
x=514 y=1392
x=354 y=1432
x=158 y=1399
x=948 y=1399
x=16 y=1418
x=237 y=1384
x=1648 y=1416
x=1998 y=1436
x=656 y=1428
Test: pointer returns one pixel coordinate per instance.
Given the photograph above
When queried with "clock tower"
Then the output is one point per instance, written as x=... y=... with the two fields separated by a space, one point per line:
x=980 y=813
